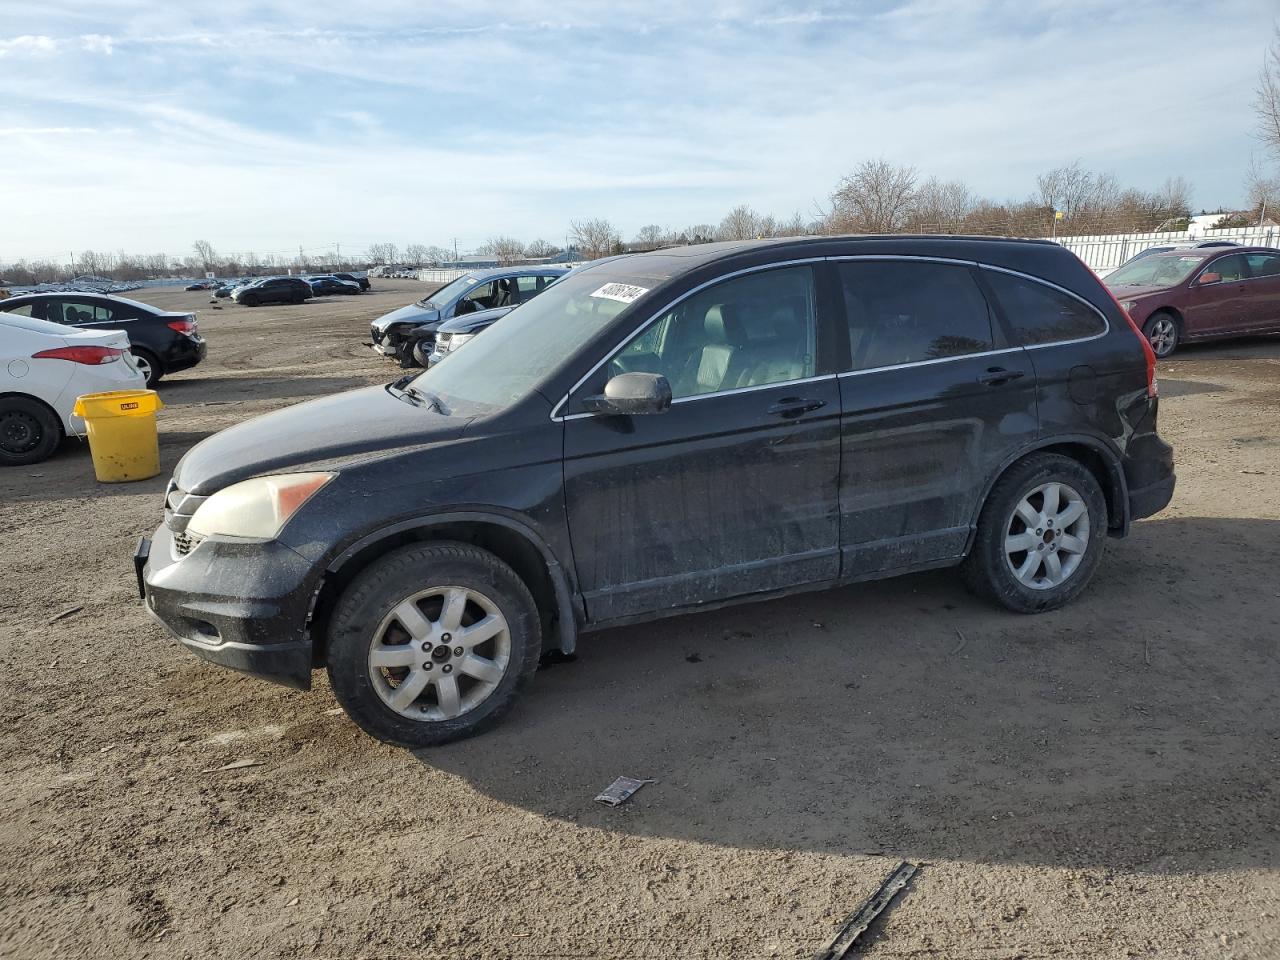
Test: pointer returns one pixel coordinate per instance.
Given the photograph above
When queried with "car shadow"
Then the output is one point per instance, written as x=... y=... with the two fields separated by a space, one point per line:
x=1135 y=728
x=221 y=390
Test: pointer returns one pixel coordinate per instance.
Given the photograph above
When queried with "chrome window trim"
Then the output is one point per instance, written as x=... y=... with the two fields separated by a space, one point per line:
x=556 y=416
x=926 y=363
x=1106 y=325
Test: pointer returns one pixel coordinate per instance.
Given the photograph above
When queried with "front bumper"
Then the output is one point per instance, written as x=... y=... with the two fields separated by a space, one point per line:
x=241 y=605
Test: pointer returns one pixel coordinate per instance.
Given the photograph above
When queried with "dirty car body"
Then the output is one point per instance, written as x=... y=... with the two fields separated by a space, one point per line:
x=682 y=429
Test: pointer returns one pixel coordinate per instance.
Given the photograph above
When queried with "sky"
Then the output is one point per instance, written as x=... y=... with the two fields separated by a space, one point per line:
x=258 y=126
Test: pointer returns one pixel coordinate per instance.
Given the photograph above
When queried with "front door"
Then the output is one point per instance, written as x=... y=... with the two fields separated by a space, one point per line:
x=1218 y=308
x=733 y=490
x=934 y=399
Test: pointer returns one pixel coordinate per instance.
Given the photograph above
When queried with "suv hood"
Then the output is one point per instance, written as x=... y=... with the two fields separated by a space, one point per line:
x=412 y=314
x=474 y=321
x=330 y=428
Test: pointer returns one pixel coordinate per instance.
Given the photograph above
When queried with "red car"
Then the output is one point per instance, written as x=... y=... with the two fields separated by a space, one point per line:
x=1200 y=294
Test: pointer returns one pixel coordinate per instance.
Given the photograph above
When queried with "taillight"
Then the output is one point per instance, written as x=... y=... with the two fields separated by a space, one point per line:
x=1153 y=388
x=87 y=355
x=187 y=325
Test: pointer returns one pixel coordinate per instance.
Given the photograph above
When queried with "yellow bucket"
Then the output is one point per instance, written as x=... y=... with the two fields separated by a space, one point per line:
x=122 y=433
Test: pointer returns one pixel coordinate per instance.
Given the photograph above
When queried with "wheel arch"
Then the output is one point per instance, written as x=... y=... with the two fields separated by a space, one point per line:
x=1093 y=454
x=510 y=540
x=62 y=427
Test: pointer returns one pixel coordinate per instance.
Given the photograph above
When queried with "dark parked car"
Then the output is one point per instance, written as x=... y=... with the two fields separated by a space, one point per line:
x=456 y=333
x=1167 y=248
x=362 y=280
x=324 y=286
x=1201 y=294
x=660 y=433
x=198 y=285
x=161 y=341
x=273 y=290
x=470 y=293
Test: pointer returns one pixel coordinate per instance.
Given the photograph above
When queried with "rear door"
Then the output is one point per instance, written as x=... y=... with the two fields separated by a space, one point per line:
x=83 y=312
x=733 y=490
x=933 y=400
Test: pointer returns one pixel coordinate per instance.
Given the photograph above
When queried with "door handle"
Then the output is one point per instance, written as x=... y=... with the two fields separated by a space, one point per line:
x=791 y=407
x=998 y=375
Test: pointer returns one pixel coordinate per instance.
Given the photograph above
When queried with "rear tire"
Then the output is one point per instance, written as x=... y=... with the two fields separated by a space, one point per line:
x=400 y=661
x=1040 y=535
x=1163 y=332
x=149 y=364
x=29 y=431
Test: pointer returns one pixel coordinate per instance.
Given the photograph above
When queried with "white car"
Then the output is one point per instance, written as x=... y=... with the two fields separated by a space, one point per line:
x=43 y=368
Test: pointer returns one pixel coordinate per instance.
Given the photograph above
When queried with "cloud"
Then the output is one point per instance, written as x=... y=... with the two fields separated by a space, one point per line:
x=476 y=118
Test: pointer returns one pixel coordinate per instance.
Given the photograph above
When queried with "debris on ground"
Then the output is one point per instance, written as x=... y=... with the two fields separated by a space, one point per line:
x=234 y=765
x=961 y=645
x=620 y=791
x=70 y=611
x=857 y=924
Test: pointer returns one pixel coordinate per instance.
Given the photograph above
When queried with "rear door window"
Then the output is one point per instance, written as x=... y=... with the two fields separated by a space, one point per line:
x=1041 y=314
x=903 y=311
x=1263 y=264
x=82 y=311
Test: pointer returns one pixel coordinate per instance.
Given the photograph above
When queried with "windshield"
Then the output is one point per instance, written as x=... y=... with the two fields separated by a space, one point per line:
x=1162 y=270
x=447 y=292
x=503 y=364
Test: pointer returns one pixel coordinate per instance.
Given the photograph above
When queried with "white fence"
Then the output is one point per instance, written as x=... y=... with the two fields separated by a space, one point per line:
x=1105 y=253
x=431 y=275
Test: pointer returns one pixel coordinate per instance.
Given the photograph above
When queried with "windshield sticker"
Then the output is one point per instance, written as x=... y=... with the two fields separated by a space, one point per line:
x=472 y=280
x=622 y=292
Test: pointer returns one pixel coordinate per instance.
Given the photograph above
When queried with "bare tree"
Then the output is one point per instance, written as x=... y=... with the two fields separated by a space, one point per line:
x=795 y=226
x=1263 y=192
x=503 y=249
x=1266 y=102
x=382 y=253
x=204 y=254
x=875 y=198
x=740 y=223
x=594 y=238
x=540 y=249
x=648 y=237
x=416 y=254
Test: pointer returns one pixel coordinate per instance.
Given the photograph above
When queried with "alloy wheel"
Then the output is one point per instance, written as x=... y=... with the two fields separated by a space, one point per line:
x=1163 y=336
x=439 y=653
x=143 y=365
x=1047 y=535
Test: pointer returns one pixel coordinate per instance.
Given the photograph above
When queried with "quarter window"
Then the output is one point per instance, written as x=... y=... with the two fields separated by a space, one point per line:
x=22 y=310
x=901 y=311
x=749 y=331
x=1040 y=314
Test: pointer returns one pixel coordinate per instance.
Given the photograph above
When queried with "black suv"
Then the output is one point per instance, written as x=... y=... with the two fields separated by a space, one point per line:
x=273 y=290
x=161 y=341
x=660 y=433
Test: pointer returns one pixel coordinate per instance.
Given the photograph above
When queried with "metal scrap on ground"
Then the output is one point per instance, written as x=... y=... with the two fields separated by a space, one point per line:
x=857 y=924
x=620 y=791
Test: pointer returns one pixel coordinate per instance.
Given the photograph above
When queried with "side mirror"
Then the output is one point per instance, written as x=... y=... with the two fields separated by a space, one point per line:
x=1208 y=278
x=631 y=393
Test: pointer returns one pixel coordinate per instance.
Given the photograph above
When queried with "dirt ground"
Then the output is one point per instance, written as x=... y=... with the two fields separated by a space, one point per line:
x=1096 y=782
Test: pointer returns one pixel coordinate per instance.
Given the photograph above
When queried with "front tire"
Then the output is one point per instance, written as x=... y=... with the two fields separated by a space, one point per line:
x=29 y=431
x=432 y=643
x=1040 y=535
x=1163 y=333
x=420 y=354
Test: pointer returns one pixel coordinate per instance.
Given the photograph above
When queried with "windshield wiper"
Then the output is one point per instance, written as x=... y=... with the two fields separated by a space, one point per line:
x=422 y=396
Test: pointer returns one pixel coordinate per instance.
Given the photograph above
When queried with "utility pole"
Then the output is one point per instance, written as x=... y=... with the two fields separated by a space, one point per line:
x=455 y=249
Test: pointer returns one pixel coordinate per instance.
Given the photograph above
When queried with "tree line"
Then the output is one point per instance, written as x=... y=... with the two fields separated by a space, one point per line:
x=877 y=196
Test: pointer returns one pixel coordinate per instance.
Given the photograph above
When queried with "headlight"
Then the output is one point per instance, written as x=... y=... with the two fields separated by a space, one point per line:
x=257 y=508
x=458 y=339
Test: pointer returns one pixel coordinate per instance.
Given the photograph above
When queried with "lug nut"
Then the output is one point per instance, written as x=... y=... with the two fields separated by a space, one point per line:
x=445 y=637
x=427 y=665
x=447 y=669
x=457 y=651
x=426 y=648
